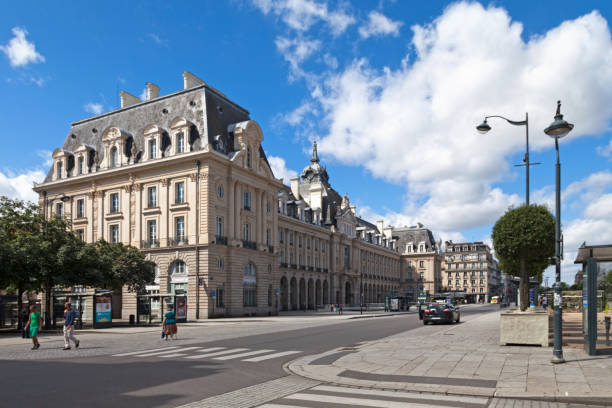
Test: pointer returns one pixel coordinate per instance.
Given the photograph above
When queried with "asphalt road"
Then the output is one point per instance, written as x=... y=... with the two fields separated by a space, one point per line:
x=153 y=381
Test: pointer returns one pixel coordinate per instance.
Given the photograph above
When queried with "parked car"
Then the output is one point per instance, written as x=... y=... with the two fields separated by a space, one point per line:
x=441 y=313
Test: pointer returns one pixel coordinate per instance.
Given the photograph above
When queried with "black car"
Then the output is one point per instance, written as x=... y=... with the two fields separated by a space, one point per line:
x=441 y=313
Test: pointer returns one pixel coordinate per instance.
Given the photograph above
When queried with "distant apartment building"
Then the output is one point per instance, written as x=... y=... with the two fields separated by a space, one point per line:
x=421 y=260
x=471 y=268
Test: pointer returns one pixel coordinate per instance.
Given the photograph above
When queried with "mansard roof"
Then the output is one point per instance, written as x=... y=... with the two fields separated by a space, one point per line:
x=415 y=235
x=208 y=110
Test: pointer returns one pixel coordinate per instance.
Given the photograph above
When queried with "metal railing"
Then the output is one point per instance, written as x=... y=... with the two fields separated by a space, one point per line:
x=150 y=243
x=176 y=241
x=249 y=244
x=221 y=240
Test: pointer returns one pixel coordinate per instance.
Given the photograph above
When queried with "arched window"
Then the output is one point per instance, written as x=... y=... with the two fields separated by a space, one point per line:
x=178 y=276
x=114 y=160
x=249 y=285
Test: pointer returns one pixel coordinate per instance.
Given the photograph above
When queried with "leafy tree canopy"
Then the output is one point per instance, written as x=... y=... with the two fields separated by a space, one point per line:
x=526 y=232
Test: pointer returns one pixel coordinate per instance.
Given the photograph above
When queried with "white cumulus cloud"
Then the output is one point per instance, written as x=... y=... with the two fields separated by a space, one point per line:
x=280 y=170
x=378 y=25
x=20 y=51
x=415 y=125
x=92 y=107
x=301 y=15
x=19 y=186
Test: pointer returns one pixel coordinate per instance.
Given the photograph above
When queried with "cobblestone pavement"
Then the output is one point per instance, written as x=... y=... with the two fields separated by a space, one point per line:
x=465 y=359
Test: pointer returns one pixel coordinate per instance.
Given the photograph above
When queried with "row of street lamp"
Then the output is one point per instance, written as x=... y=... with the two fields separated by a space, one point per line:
x=557 y=129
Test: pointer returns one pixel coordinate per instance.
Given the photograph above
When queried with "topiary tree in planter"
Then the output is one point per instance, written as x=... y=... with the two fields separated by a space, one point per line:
x=524 y=240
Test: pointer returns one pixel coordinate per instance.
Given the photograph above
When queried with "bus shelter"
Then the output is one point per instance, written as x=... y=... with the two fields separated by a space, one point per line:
x=593 y=259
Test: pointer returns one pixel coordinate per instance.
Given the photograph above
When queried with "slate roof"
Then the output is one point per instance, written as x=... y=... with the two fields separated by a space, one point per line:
x=415 y=235
x=207 y=109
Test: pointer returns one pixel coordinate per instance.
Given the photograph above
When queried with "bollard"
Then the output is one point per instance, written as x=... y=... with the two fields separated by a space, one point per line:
x=607 y=325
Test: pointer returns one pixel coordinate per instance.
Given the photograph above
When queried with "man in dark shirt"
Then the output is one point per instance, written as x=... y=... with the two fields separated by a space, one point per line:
x=69 y=321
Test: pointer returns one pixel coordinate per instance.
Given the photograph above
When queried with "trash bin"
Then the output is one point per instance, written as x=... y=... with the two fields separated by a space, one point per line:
x=132 y=320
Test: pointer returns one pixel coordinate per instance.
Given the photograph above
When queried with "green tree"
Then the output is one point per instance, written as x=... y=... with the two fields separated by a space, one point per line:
x=524 y=240
x=20 y=247
x=120 y=265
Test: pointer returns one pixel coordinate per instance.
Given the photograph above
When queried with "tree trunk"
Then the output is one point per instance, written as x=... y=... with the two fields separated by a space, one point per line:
x=48 y=306
x=524 y=286
x=20 y=306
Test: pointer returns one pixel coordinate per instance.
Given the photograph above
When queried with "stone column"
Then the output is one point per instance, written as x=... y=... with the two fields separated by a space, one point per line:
x=231 y=206
x=164 y=205
x=257 y=227
x=101 y=210
x=238 y=221
x=138 y=215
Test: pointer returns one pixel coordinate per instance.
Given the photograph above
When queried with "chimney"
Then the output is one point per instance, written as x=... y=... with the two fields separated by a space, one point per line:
x=190 y=80
x=380 y=225
x=127 y=99
x=152 y=91
x=295 y=187
x=353 y=209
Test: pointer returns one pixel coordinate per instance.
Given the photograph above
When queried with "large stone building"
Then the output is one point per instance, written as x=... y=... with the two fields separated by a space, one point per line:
x=184 y=178
x=421 y=260
x=471 y=268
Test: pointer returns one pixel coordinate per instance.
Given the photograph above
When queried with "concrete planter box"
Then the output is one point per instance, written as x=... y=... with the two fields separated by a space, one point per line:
x=524 y=328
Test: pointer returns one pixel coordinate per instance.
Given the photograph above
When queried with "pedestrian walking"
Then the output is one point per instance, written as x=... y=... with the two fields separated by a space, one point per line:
x=340 y=308
x=545 y=302
x=24 y=321
x=34 y=322
x=70 y=316
x=169 y=323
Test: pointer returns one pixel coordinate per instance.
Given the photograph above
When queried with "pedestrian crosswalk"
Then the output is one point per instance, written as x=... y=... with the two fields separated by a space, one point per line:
x=213 y=353
x=327 y=396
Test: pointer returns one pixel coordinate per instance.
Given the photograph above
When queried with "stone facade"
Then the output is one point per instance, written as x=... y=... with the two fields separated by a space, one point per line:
x=421 y=260
x=184 y=178
x=470 y=267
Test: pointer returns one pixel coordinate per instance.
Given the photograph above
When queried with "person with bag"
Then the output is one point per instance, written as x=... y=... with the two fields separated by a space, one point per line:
x=69 y=321
x=34 y=323
x=169 y=323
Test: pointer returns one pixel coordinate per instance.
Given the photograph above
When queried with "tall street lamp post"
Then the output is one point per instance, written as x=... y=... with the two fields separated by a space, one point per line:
x=484 y=128
x=557 y=129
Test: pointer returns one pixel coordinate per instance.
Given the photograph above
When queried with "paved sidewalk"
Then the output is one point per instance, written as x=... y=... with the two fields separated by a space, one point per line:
x=464 y=359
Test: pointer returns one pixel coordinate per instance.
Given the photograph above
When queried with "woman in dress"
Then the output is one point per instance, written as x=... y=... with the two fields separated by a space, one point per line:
x=169 y=323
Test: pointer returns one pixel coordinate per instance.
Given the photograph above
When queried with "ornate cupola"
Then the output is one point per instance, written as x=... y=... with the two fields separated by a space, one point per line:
x=314 y=171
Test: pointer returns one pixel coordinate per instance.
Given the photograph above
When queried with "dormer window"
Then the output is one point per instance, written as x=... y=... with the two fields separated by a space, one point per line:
x=81 y=165
x=152 y=149
x=114 y=157
x=180 y=143
x=60 y=168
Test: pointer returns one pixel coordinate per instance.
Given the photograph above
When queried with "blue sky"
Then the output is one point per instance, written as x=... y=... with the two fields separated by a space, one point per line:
x=392 y=91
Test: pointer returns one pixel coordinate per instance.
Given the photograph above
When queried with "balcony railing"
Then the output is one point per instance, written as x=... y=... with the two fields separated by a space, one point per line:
x=150 y=243
x=221 y=240
x=177 y=241
x=249 y=244
x=302 y=267
x=318 y=269
x=325 y=270
x=293 y=266
x=270 y=249
x=283 y=264
x=311 y=268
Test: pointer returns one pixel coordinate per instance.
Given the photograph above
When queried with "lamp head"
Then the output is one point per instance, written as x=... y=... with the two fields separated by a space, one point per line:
x=559 y=127
x=64 y=198
x=483 y=127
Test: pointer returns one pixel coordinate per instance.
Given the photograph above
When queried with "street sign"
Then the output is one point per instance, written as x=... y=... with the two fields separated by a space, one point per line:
x=213 y=294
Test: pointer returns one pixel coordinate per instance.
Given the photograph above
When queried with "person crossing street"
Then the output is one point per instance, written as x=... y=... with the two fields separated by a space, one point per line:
x=69 y=321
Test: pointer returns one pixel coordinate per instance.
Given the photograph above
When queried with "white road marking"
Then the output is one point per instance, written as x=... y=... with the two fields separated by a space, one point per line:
x=401 y=394
x=248 y=353
x=355 y=402
x=269 y=356
x=218 y=353
x=131 y=353
x=173 y=355
x=165 y=352
x=279 y=406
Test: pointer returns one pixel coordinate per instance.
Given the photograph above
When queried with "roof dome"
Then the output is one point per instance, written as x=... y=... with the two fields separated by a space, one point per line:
x=314 y=171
